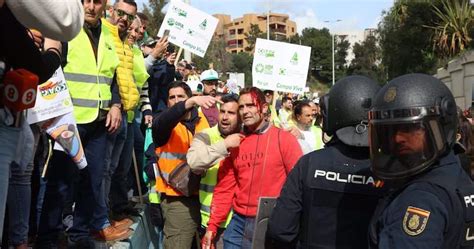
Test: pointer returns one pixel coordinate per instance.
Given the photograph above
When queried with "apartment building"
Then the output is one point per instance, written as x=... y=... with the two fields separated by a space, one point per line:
x=233 y=31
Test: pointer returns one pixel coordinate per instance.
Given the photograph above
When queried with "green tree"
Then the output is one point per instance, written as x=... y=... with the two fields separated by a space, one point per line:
x=215 y=54
x=242 y=63
x=366 y=60
x=405 y=40
x=252 y=35
x=452 y=32
x=320 y=63
x=155 y=15
x=341 y=46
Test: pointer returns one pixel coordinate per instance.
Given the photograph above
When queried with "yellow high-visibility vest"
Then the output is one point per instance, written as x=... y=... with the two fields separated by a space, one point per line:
x=89 y=79
x=318 y=133
x=209 y=181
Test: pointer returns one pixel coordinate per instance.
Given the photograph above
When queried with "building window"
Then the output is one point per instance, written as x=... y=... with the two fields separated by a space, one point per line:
x=240 y=31
x=293 y=30
x=232 y=32
x=240 y=43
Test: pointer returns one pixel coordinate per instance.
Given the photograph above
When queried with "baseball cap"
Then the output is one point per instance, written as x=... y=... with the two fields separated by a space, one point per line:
x=209 y=75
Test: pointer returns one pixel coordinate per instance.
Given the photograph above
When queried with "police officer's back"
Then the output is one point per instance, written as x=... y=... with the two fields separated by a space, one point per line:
x=330 y=195
x=413 y=128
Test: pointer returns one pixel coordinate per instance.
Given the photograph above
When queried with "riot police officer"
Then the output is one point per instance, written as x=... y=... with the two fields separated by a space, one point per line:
x=330 y=195
x=412 y=133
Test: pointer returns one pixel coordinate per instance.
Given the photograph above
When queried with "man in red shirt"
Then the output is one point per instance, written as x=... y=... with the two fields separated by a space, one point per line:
x=258 y=168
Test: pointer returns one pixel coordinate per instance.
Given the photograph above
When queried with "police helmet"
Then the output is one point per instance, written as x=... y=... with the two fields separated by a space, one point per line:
x=412 y=123
x=345 y=109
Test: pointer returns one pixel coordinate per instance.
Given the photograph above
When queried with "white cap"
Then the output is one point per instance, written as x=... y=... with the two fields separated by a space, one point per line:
x=209 y=75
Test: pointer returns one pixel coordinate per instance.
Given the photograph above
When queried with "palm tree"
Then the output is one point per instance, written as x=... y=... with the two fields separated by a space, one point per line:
x=452 y=32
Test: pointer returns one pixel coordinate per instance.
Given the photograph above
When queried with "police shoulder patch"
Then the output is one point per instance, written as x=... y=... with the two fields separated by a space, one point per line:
x=415 y=220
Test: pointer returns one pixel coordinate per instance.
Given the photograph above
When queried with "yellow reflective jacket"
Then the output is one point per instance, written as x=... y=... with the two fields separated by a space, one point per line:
x=89 y=79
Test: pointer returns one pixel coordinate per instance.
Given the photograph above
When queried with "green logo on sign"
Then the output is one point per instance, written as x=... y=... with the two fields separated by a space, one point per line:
x=268 y=69
x=203 y=25
x=282 y=71
x=294 y=59
x=266 y=52
x=180 y=12
x=171 y=21
x=259 y=68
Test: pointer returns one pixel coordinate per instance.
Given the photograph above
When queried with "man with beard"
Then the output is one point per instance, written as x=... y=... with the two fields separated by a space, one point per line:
x=209 y=79
x=209 y=148
x=309 y=136
x=330 y=195
x=121 y=16
x=173 y=132
x=286 y=111
x=413 y=126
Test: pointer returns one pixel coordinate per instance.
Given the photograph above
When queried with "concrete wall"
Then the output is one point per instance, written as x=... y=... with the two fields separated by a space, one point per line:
x=459 y=77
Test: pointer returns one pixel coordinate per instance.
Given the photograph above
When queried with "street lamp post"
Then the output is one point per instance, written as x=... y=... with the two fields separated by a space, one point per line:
x=332 y=36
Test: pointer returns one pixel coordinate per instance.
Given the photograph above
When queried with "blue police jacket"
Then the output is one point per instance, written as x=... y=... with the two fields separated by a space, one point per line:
x=327 y=201
x=432 y=210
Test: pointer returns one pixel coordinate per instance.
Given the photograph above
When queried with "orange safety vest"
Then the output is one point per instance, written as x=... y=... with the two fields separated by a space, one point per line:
x=174 y=152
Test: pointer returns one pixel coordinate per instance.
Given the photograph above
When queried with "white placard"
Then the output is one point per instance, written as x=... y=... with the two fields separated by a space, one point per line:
x=239 y=78
x=190 y=28
x=280 y=66
x=64 y=131
x=52 y=99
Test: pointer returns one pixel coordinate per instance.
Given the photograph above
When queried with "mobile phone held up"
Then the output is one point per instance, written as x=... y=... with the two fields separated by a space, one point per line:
x=166 y=33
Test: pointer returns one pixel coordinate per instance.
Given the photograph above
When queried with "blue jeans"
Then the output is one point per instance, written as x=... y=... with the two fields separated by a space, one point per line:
x=19 y=201
x=239 y=232
x=40 y=200
x=119 y=187
x=115 y=143
x=90 y=210
x=8 y=144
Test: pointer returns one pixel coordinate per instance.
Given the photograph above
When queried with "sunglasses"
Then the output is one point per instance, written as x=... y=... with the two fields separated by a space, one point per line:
x=122 y=13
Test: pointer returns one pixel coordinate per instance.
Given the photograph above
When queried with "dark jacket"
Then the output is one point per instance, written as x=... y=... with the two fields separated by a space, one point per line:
x=164 y=122
x=432 y=210
x=327 y=201
x=161 y=76
x=18 y=50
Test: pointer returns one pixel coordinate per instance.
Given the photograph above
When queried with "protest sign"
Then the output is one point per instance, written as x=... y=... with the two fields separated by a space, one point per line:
x=238 y=78
x=280 y=66
x=190 y=28
x=64 y=131
x=52 y=99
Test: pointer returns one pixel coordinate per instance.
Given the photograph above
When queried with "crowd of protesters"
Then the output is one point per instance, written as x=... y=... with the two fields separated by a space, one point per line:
x=145 y=118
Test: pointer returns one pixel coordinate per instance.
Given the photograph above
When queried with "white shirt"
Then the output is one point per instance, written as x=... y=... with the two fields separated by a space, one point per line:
x=308 y=142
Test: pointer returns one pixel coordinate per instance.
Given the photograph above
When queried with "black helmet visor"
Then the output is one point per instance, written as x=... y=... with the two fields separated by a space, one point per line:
x=403 y=143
